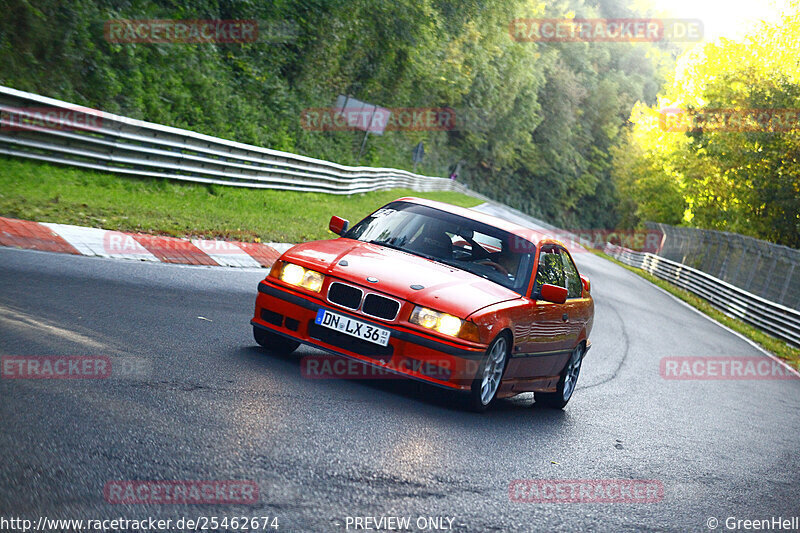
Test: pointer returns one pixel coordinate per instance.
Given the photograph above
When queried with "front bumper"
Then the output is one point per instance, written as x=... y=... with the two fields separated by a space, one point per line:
x=292 y=314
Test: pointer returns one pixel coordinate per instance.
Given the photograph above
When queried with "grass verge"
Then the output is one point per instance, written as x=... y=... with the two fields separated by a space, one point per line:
x=49 y=193
x=766 y=341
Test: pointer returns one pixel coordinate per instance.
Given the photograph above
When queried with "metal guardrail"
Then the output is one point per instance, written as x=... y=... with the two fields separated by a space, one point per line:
x=123 y=145
x=769 y=270
x=773 y=318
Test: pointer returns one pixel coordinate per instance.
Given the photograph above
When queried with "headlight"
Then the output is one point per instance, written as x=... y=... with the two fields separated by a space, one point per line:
x=297 y=275
x=444 y=323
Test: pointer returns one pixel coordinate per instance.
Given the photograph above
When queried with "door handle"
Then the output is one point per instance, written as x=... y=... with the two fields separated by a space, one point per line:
x=565 y=317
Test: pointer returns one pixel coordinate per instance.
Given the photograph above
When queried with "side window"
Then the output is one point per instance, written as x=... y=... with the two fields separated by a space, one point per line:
x=550 y=271
x=573 y=280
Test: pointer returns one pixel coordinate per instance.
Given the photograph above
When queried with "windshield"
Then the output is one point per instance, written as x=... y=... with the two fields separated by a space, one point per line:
x=456 y=241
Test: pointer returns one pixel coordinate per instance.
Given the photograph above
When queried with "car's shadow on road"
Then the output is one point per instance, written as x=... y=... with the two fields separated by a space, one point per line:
x=406 y=393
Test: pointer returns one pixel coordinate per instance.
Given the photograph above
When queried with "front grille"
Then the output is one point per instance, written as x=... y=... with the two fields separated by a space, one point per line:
x=342 y=340
x=381 y=307
x=344 y=295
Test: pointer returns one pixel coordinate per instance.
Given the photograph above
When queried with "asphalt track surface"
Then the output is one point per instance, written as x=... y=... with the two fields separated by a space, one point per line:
x=205 y=403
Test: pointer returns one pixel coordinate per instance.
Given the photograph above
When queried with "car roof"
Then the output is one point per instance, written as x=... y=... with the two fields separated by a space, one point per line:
x=515 y=229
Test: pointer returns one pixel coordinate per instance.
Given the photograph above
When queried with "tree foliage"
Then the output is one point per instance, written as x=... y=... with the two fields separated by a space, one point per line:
x=538 y=122
x=738 y=173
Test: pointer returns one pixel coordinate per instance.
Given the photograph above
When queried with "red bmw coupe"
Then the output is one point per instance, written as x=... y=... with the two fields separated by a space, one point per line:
x=438 y=293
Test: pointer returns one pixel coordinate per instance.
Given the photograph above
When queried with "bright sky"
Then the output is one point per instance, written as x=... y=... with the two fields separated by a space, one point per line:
x=723 y=18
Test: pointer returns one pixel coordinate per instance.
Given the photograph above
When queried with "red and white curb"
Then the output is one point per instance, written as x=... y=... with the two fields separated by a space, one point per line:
x=79 y=240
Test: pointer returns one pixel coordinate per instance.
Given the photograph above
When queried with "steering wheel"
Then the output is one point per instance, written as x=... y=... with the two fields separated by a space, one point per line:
x=498 y=267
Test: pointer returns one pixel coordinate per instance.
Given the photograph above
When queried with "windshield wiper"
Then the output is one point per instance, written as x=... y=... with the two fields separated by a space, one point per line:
x=451 y=263
x=389 y=245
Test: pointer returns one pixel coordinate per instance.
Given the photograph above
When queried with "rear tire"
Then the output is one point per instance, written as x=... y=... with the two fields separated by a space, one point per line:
x=487 y=379
x=273 y=341
x=566 y=382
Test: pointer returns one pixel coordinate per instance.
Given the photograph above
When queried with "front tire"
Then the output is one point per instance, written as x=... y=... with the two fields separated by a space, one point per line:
x=273 y=341
x=487 y=380
x=566 y=383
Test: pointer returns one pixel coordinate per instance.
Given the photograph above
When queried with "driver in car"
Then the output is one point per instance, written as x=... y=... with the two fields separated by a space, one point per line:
x=504 y=261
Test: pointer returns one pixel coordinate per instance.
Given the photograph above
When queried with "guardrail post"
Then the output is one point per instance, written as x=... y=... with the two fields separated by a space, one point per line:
x=782 y=297
x=753 y=269
x=768 y=278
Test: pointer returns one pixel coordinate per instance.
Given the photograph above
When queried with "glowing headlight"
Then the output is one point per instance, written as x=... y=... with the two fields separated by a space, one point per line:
x=449 y=325
x=293 y=274
x=443 y=323
x=297 y=275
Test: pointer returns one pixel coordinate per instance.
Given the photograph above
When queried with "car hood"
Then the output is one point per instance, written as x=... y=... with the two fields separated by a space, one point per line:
x=445 y=288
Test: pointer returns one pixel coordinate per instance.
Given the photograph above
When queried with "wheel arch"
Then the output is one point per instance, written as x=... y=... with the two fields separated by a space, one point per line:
x=509 y=334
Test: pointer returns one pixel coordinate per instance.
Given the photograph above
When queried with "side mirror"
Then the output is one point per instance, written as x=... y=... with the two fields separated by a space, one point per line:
x=552 y=293
x=338 y=225
x=586 y=285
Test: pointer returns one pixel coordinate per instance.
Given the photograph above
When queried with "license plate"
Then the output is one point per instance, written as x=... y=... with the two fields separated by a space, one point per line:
x=352 y=327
